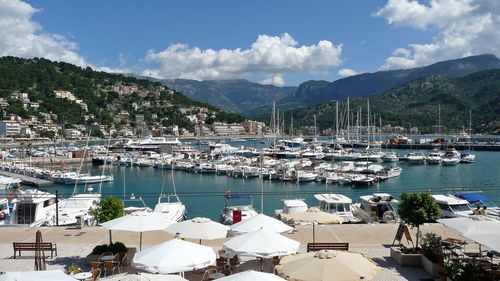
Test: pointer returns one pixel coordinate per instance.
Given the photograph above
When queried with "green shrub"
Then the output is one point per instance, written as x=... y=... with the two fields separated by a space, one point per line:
x=431 y=247
x=108 y=209
x=99 y=249
x=117 y=247
x=463 y=270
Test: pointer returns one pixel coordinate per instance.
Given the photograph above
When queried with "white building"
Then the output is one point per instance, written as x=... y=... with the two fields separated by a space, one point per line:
x=10 y=128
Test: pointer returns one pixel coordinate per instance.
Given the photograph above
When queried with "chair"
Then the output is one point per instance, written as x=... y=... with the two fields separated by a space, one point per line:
x=226 y=270
x=208 y=272
x=221 y=252
x=95 y=264
x=123 y=259
x=220 y=262
x=276 y=260
x=96 y=273
x=104 y=255
x=234 y=262
x=110 y=266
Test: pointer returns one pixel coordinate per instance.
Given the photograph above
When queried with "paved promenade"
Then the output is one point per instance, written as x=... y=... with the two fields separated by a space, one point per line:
x=73 y=245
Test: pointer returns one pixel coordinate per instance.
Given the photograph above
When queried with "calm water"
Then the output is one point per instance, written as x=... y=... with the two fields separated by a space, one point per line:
x=203 y=194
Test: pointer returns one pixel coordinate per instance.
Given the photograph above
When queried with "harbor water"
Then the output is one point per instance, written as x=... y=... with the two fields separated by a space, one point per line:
x=203 y=193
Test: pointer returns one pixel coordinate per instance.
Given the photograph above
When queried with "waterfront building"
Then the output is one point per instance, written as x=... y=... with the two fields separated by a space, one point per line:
x=9 y=128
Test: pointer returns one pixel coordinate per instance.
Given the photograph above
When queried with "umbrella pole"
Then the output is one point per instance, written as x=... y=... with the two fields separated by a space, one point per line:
x=314 y=233
x=110 y=240
x=200 y=241
x=140 y=243
x=262 y=264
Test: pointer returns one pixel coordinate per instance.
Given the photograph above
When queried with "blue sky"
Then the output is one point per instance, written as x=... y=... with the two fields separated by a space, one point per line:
x=135 y=36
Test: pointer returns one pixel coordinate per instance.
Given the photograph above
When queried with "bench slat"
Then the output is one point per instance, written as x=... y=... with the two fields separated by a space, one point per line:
x=327 y=246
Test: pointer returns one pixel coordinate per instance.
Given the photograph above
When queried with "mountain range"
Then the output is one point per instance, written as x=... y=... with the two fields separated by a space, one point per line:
x=253 y=99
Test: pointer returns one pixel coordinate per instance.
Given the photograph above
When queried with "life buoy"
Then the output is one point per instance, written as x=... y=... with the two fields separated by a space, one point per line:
x=11 y=196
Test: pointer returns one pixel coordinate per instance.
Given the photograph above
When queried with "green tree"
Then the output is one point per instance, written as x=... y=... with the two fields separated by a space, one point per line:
x=416 y=209
x=108 y=209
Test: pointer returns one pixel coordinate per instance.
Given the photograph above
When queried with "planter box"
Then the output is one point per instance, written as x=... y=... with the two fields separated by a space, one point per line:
x=432 y=268
x=406 y=259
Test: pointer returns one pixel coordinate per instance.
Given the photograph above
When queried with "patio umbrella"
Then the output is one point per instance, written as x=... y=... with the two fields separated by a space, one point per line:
x=173 y=256
x=147 y=277
x=251 y=275
x=39 y=254
x=314 y=215
x=138 y=222
x=262 y=243
x=482 y=230
x=261 y=221
x=46 y=275
x=199 y=228
x=327 y=265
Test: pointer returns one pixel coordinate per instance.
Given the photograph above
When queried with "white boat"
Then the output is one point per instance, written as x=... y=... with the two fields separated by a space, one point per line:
x=244 y=211
x=303 y=176
x=358 y=179
x=378 y=207
x=172 y=209
x=435 y=157
x=88 y=179
x=78 y=206
x=388 y=173
x=479 y=199
x=390 y=157
x=337 y=204
x=467 y=157
x=33 y=207
x=291 y=206
x=153 y=142
x=453 y=206
x=451 y=157
x=415 y=158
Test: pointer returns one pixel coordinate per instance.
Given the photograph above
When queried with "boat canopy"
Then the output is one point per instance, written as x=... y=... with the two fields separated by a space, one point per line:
x=473 y=197
x=238 y=196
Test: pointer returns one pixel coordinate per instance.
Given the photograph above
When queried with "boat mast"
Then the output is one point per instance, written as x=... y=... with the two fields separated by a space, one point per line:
x=273 y=121
x=368 y=122
x=348 y=134
x=105 y=162
x=314 y=126
x=337 y=121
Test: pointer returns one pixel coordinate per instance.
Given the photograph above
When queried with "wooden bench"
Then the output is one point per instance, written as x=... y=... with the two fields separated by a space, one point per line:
x=313 y=247
x=22 y=246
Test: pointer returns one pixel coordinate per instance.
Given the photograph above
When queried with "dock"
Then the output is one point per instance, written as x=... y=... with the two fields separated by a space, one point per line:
x=27 y=180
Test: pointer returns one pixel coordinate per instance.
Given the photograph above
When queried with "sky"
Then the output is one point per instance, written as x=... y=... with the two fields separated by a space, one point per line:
x=283 y=42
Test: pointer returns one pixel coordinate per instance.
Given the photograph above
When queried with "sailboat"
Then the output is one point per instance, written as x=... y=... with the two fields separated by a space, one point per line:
x=467 y=156
x=169 y=205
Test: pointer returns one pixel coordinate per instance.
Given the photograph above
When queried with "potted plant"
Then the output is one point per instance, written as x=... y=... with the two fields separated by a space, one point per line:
x=96 y=252
x=463 y=270
x=432 y=253
x=73 y=269
x=415 y=209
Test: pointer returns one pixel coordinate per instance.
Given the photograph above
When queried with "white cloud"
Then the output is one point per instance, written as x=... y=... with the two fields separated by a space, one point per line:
x=271 y=56
x=346 y=72
x=464 y=28
x=20 y=36
x=276 y=80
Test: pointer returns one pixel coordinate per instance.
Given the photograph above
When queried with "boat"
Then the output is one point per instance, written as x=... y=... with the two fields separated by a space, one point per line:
x=337 y=204
x=415 y=158
x=453 y=206
x=358 y=180
x=230 y=212
x=451 y=157
x=33 y=207
x=479 y=199
x=303 y=176
x=291 y=206
x=388 y=173
x=390 y=157
x=435 y=157
x=466 y=157
x=378 y=207
x=172 y=209
x=78 y=206
x=88 y=179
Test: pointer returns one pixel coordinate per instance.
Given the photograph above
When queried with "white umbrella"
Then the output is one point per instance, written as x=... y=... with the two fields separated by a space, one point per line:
x=199 y=228
x=147 y=277
x=327 y=265
x=45 y=275
x=138 y=222
x=251 y=275
x=262 y=243
x=173 y=256
x=314 y=215
x=261 y=221
x=484 y=231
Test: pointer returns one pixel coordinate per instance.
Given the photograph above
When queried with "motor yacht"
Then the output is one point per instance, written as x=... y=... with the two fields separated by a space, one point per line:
x=78 y=206
x=435 y=157
x=390 y=157
x=453 y=206
x=231 y=214
x=378 y=207
x=415 y=158
x=478 y=198
x=337 y=204
x=88 y=179
x=172 y=208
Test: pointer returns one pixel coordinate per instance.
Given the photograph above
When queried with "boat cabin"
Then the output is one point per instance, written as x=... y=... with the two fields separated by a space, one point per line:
x=337 y=204
x=453 y=206
x=379 y=204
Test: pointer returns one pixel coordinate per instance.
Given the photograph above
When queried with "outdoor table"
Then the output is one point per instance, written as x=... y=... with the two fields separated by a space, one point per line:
x=216 y=275
x=453 y=243
x=83 y=275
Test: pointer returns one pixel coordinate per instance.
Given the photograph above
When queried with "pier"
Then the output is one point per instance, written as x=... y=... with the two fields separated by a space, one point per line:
x=27 y=180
